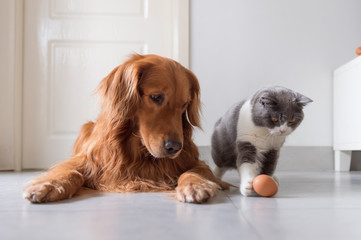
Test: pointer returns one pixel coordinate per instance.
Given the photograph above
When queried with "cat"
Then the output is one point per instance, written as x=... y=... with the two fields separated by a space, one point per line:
x=251 y=133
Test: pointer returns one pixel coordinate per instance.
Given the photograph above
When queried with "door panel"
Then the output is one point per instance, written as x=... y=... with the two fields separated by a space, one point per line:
x=69 y=47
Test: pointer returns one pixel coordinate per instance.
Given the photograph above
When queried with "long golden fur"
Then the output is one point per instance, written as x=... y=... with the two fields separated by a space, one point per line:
x=142 y=140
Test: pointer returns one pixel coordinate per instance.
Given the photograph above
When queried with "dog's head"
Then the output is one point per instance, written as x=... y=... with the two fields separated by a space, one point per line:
x=159 y=96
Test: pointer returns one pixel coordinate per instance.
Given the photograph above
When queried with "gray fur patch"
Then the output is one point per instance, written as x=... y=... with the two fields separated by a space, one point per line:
x=224 y=138
x=246 y=152
x=269 y=162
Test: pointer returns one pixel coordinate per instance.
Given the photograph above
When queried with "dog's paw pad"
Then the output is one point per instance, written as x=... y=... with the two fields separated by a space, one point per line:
x=42 y=192
x=197 y=192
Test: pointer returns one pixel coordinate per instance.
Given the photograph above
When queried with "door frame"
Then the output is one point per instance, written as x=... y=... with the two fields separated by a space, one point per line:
x=180 y=53
x=15 y=83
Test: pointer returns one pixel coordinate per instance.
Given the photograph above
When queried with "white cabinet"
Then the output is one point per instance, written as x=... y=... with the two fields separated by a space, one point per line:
x=347 y=113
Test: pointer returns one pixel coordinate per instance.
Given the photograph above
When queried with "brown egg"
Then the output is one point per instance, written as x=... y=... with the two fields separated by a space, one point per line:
x=265 y=186
x=358 y=51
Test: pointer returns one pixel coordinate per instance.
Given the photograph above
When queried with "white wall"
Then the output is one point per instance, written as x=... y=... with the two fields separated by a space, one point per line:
x=238 y=46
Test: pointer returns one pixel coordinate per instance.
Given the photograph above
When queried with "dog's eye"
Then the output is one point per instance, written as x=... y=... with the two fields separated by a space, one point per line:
x=185 y=105
x=158 y=99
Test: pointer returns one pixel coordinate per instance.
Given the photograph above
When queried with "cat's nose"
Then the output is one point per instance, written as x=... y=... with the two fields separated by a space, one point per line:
x=282 y=131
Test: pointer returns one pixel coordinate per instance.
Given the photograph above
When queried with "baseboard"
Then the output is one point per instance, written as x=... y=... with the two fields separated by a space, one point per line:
x=292 y=158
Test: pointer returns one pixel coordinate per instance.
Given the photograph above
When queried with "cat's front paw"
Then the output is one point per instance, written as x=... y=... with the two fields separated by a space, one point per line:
x=246 y=188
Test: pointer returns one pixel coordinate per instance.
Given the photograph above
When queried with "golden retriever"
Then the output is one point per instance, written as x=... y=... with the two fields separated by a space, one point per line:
x=142 y=140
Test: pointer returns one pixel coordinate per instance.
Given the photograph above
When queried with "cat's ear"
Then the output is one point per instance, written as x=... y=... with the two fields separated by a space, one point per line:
x=267 y=101
x=302 y=100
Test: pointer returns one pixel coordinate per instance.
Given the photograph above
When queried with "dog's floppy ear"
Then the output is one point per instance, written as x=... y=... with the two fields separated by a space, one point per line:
x=194 y=106
x=119 y=90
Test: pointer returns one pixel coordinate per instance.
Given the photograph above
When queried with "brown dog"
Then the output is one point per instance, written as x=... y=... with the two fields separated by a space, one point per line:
x=142 y=140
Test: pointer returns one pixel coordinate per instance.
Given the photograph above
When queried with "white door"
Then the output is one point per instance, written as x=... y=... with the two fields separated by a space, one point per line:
x=69 y=46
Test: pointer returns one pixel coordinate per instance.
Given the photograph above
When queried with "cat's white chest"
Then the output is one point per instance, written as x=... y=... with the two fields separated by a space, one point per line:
x=260 y=137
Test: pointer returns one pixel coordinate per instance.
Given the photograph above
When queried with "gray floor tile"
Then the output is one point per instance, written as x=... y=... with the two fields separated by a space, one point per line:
x=309 y=205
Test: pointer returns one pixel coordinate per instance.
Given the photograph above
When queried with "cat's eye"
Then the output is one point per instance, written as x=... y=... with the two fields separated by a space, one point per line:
x=274 y=119
x=292 y=121
x=157 y=98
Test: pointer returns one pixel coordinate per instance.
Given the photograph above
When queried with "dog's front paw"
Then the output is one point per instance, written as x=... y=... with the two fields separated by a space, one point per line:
x=197 y=191
x=41 y=192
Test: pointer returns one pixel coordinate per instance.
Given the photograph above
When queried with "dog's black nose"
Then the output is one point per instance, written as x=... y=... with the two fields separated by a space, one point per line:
x=171 y=146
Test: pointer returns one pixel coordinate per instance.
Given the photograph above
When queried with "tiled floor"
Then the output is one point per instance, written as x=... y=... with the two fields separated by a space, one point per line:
x=309 y=205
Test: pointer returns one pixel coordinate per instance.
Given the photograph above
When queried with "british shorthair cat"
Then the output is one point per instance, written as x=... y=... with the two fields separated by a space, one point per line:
x=251 y=133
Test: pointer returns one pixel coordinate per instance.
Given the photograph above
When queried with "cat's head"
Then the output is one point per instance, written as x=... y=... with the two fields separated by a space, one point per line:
x=279 y=109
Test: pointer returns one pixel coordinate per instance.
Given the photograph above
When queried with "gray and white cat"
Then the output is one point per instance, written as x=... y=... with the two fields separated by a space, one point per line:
x=250 y=134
